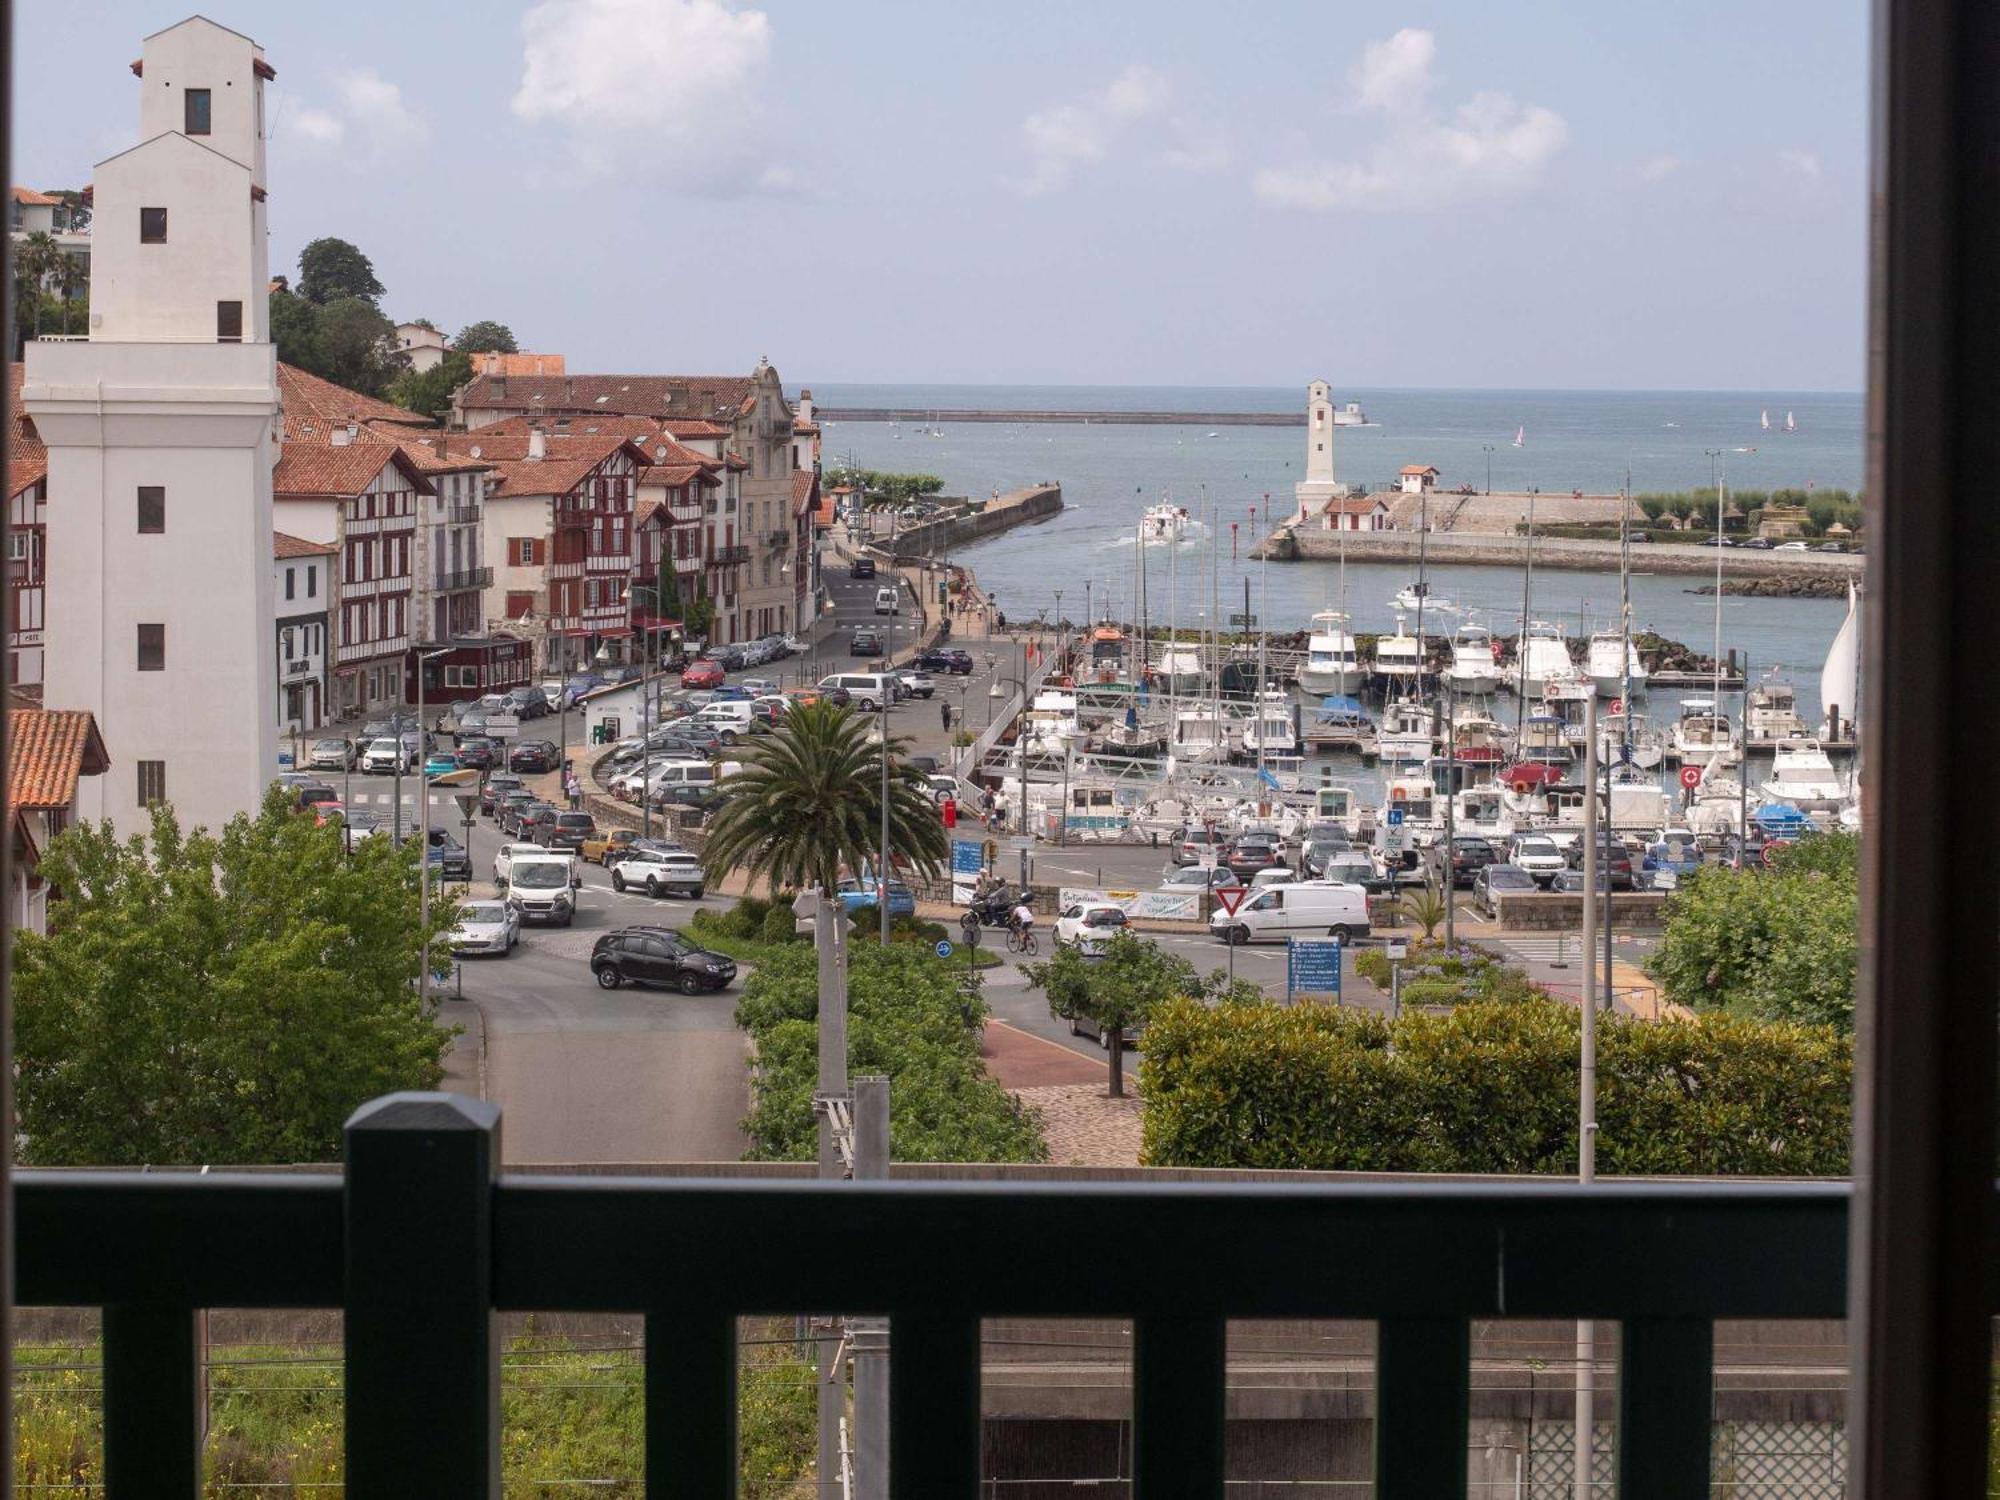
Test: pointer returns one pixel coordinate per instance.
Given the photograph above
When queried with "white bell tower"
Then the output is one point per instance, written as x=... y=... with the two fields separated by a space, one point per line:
x=159 y=430
x=1319 y=485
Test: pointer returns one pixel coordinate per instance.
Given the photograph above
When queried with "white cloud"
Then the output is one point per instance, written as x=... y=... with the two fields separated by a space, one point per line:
x=1392 y=71
x=1489 y=146
x=376 y=111
x=317 y=126
x=1659 y=168
x=1067 y=136
x=1197 y=152
x=669 y=85
x=1803 y=163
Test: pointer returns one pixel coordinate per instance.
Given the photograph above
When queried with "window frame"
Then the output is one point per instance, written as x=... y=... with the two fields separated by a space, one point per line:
x=151 y=494
x=207 y=99
x=146 y=236
x=153 y=648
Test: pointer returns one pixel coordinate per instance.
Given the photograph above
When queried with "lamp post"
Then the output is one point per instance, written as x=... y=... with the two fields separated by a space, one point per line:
x=649 y=719
x=882 y=859
x=1489 y=466
x=424 y=810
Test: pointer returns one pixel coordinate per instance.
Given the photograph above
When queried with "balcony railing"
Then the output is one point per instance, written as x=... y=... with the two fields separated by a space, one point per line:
x=460 y=512
x=728 y=557
x=464 y=578
x=779 y=539
x=422 y=1240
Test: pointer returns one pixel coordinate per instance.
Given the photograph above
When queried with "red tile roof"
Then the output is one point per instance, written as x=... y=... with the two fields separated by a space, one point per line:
x=47 y=750
x=695 y=428
x=805 y=491
x=1352 y=505
x=715 y=398
x=314 y=407
x=1418 y=469
x=323 y=469
x=673 y=476
x=284 y=545
x=29 y=195
x=27 y=459
x=423 y=451
x=593 y=425
x=569 y=461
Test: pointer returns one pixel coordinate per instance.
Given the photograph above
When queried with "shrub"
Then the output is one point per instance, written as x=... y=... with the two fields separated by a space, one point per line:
x=1489 y=1088
x=1372 y=964
x=1420 y=992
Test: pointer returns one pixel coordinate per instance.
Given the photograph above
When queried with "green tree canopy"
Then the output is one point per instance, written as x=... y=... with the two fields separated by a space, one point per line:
x=223 y=999
x=486 y=337
x=1116 y=989
x=879 y=488
x=808 y=804
x=360 y=345
x=296 y=332
x=429 y=391
x=330 y=270
x=1782 y=944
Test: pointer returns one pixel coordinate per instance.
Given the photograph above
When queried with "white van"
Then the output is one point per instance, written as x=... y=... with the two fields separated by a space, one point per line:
x=886 y=602
x=1313 y=908
x=730 y=718
x=542 y=887
x=680 y=773
x=866 y=691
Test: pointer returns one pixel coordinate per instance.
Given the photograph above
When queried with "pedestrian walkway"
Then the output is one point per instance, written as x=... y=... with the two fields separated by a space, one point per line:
x=1019 y=1059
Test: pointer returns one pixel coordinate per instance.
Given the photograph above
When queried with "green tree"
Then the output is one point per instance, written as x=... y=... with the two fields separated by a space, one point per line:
x=808 y=803
x=1116 y=989
x=1780 y=944
x=429 y=391
x=332 y=270
x=229 y=998
x=360 y=345
x=486 y=337
x=296 y=332
x=1652 y=507
x=1426 y=907
x=879 y=488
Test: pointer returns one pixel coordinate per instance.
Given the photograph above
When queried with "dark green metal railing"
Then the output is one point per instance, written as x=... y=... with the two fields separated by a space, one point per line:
x=422 y=1241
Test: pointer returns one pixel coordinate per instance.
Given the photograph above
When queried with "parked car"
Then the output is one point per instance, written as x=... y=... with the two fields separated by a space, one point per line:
x=472 y=721
x=583 y=682
x=861 y=567
x=705 y=673
x=448 y=856
x=1469 y=855
x=567 y=831
x=607 y=847
x=1318 y=849
x=1090 y=926
x=658 y=955
x=1758 y=544
x=859 y=895
x=1490 y=880
x=313 y=794
x=385 y=756
x=527 y=703
x=866 y=642
x=944 y=659
x=512 y=805
x=556 y=694
x=1539 y=856
x=494 y=787
x=920 y=684
x=1251 y=853
x=729 y=658
x=1611 y=855
x=759 y=687
x=333 y=754
x=1794 y=547
x=1715 y=541
x=1198 y=878
x=1831 y=547
x=659 y=870
x=477 y=753
x=536 y=822
x=533 y=756
x=441 y=763
x=1198 y=844
x=1356 y=867
x=486 y=927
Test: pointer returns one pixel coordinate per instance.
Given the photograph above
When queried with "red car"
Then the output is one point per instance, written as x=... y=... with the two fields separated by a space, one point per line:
x=702 y=674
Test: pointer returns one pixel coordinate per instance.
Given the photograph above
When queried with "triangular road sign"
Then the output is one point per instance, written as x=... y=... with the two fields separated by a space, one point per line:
x=1229 y=897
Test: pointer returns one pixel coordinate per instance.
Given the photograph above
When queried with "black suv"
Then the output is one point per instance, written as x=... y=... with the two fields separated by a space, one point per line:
x=866 y=643
x=1469 y=855
x=532 y=756
x=568 y=831
x=493 y=788
x=1253 y=853
x=449 y=856
x=1613 y=860
x=861 y=567
x=945 y=659
x=658 y=955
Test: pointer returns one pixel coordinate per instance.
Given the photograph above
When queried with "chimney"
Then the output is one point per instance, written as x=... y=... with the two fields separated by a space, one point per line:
x=441 y=445
x=805 y=406
x=538 y=443
x=342 y=436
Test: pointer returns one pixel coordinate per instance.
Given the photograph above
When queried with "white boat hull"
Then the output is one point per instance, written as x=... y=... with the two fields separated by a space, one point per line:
x=1341 y=681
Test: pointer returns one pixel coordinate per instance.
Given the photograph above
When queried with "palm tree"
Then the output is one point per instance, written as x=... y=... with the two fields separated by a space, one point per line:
x=808 y=802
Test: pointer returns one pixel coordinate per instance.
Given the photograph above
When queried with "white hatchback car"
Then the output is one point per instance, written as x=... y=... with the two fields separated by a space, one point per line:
x=1090 y=925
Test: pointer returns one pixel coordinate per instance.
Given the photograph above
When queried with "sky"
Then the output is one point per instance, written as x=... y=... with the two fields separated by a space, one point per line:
x=1450 y=195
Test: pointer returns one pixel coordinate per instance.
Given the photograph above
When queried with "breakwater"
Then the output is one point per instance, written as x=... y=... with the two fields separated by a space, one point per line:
x=1037 y=502
x=928 y=415
x=1447 y=549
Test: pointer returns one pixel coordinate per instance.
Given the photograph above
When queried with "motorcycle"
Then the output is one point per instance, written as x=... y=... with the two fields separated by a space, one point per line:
x=996 y=909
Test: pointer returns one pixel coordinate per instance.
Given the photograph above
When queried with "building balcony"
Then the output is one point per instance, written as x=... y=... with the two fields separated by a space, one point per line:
x=303 y=667
x=463 y=578
x=566 y=569
x=779 y=539
x=422 y=1218
x=462 y=513
x=729 y=557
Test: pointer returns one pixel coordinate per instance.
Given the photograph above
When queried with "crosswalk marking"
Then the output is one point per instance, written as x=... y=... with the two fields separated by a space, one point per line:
x=1553 y=948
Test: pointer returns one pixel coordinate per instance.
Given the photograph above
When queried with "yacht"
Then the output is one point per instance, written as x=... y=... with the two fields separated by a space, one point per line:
x=1273 y=729
x=1545 y=659
x=1422 y=596
x=1474 y=668
x=1478 y=740
x=1703 y=735
x=1611 y=676
x=1164 y=523
x=1545 y=740
x=1771 y=717
x=1050 y=727
x=1399 y=660
x=1332 y=665
x=1350 y=415
x=1199 y=735
x=1179 y=673
x=1482 y=812
x=1408 y=731
x=1804 y=776
x=1627 y=738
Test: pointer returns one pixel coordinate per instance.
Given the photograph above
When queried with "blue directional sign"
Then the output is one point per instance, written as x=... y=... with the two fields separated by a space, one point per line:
x=967 y=857
x=943 y=949
x=1395 y=817
x=1312 y=967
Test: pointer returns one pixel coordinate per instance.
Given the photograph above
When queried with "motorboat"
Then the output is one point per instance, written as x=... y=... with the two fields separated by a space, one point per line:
x=1350 y=415
x=1803 y=775
x=1771 y=715
x=1200 y=735
x=1333 y=802
x=1341 y=723
x=1133 y=736
x=1717 y=805
x=1179 y=673
x=1545 y=741
x=1408 y=732
x=1612 y=676
x=1050 y=725
x=1702 y=734
x=1399 y=659
x=1627 y=739
x=1107 y=653
x=1475 y=668
x=1482 y=812
x=1545 y=658
x=1164 y=523
x=1273 y=729
x=1422 y=596
x=1332 y=663
x=1478 y=740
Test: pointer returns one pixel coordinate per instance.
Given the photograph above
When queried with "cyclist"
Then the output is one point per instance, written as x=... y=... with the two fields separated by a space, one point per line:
x=1024 y=919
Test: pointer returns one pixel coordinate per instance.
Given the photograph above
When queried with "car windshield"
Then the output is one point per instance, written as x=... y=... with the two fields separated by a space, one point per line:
x=541 y=875
x=383 y=747
x=480 y=913
x=1108 y=918
x=330 y=745
x=573 y=820
x=1536 y=846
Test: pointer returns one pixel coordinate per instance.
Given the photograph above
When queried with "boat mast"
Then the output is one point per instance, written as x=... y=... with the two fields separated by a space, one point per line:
x=1721 y=487
x=1521 y=641
x=1625 y=609
x=1263 y=643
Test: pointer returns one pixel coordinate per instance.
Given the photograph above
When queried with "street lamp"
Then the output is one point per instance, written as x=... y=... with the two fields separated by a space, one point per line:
x=424 y=809
x=1489 y=466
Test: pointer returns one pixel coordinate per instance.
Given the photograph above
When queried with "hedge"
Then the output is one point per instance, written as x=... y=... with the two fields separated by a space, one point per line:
x=1490 y=1087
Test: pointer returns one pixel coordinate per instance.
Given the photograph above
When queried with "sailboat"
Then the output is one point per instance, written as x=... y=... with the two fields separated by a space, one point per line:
x=1790 y=425
x=1764 y=420
x=1520 y=436
x=1840 y=678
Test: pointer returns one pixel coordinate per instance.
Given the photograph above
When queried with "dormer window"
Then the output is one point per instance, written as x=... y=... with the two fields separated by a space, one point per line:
x=195 y=102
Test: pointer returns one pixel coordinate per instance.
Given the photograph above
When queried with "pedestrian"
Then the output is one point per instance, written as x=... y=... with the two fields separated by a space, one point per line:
x=944 y=713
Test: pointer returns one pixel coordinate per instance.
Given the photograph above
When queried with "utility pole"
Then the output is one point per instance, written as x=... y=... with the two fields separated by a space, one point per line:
x=870 y=1335
x=882 y=875
x=834 y=1105
x=1586 y=1121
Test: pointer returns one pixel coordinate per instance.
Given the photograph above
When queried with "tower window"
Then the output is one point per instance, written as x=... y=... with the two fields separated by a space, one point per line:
x=229 y=322
x=152 y=782
x=152 y=226
x=152 y=648
x=152 y=509
x=197 y=111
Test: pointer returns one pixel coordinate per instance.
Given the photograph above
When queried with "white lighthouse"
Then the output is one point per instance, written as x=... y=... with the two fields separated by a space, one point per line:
x=159 y=428
x=1319 y=485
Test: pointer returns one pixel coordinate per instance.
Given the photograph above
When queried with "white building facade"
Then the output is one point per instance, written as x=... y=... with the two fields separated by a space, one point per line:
x=301 y=581
x=1319 y=485
x=159 y=431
